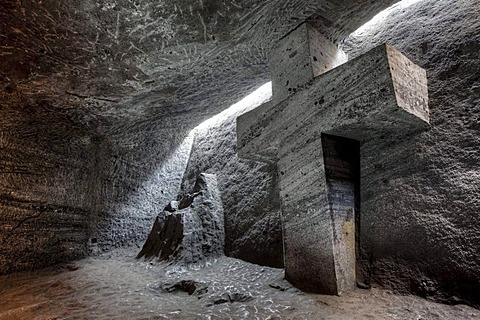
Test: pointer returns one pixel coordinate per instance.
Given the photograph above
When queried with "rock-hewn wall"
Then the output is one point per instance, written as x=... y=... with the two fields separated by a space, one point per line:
x=50 y=172
x=68 y=190
x=107 y=91
x=70 y=184
x=145 y=171
x=248 y=189
x=420 y=230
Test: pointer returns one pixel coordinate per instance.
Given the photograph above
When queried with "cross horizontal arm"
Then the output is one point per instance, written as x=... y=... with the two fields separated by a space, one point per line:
x=379 y=92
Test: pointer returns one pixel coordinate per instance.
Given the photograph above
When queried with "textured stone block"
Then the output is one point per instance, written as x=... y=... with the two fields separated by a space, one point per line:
x=379 y=93
x=302 y=55
x=358 y=100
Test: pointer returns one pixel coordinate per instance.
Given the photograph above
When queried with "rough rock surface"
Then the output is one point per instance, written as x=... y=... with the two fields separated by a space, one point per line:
x=419 y=221
x=189 y=230
x=319 y=249
x=115 y=286
x=97 y=97
x=422 y=233
x=249 y=189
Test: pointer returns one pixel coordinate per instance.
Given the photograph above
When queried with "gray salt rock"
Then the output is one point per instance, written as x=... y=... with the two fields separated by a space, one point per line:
x=191 y=229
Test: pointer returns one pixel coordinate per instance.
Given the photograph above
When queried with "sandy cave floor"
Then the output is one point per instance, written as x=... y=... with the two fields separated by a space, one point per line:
x=116 y=286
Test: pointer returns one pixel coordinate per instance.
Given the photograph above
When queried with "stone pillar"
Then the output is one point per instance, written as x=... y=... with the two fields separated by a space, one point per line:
x=306 y=219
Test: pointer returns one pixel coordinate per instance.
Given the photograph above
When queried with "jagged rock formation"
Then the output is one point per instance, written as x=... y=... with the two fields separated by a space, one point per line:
x=191 y=229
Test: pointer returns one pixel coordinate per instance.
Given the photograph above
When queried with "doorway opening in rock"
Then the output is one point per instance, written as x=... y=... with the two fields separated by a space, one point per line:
x=342 y=172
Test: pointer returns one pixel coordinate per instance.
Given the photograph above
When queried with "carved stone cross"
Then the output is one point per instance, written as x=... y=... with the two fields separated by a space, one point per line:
x=313 y=128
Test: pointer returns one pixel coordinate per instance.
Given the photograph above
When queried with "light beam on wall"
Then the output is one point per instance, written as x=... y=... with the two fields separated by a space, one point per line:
x=253 y=100
x=164 y=184
x=380 y=18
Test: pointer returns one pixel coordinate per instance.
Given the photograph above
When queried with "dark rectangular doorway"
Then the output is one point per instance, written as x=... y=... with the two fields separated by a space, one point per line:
x=342 y=171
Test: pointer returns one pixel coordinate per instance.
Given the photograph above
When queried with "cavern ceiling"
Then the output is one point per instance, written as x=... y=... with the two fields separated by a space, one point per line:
x=147 y=60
